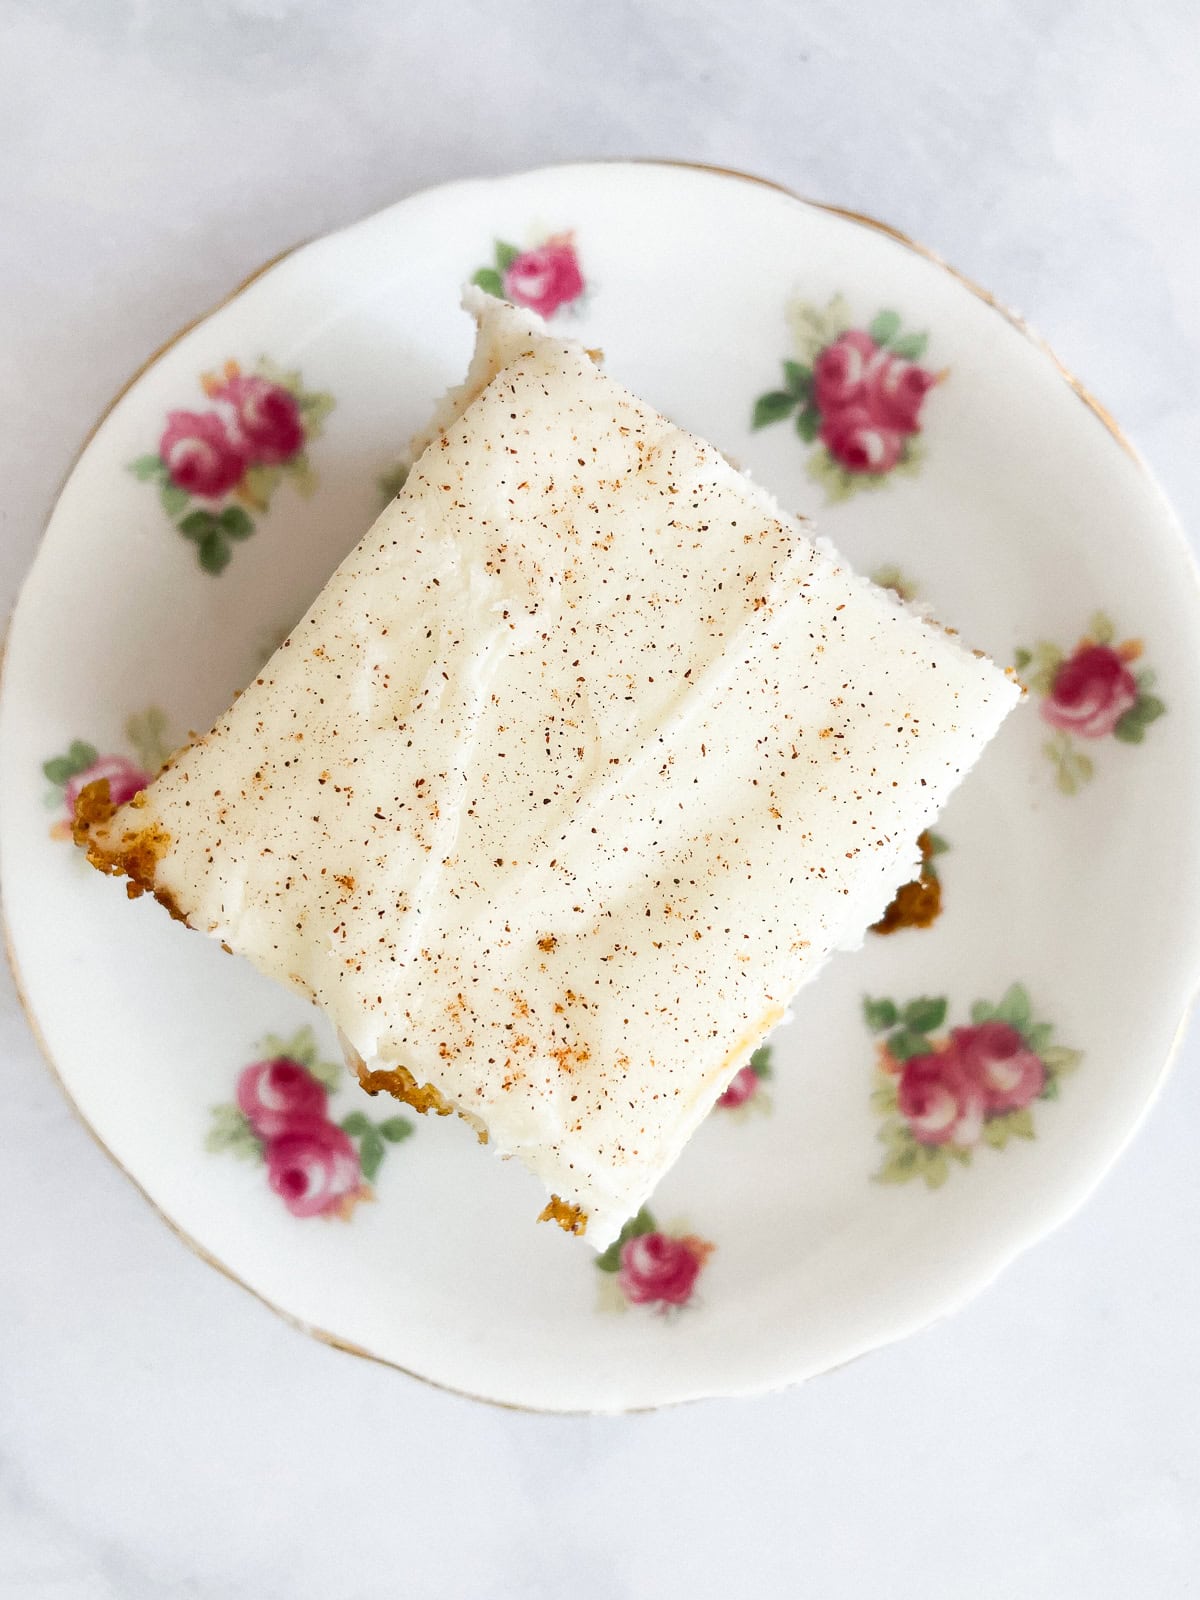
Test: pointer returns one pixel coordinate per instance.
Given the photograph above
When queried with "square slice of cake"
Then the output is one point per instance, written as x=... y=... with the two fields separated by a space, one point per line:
x=581 y=764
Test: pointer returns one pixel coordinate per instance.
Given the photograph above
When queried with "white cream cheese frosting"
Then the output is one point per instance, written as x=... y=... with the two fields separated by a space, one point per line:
x=578 y=768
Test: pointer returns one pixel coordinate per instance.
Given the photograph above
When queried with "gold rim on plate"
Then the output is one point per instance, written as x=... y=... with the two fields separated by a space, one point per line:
x=322 y=1335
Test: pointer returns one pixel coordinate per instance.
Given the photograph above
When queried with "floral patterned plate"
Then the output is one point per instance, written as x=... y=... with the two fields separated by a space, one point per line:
x=940 y=1099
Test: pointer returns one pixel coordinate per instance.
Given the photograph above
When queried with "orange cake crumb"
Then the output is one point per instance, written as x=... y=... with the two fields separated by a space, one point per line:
x=571 y=1219
x=917 y=904
x=399 y=1081
x=135 y=855
x=422 y=1097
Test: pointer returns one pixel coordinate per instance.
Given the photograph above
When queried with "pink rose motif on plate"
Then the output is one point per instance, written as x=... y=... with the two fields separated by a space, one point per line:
x=858 y=393
x=313 y=1168
x=943 y=1095
x=857 y=441
x=81 y=763
x=745 y=1090
x=265 y=418
x=202 y=457
x=647 y=1266
x=655 y=1267
x=895 y=391
x=544 y=278
x=279 y=1094
x=743 y=1086
x=842 y=371
x=280 y=1117
x=995 y=1058
x=1089 y=694
x=214 y=468
x=940 y=1100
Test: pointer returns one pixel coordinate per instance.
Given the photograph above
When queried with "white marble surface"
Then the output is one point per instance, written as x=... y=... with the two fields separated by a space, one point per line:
x=161 y=1434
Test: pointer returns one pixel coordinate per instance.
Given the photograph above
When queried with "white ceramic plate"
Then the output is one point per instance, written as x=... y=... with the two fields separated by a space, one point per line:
x=1049 y=993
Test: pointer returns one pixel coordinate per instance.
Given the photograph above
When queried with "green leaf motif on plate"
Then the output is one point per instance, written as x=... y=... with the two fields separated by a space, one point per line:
x=1038 y=1037
x=260 y=483
x=797 y=380
x=1058 y=1059
x=924 y=1015
x=489 y=279
x=396 y=1129
x=301 y=1047
x=59 y=770
x=315 y=409
x=906 y=1043
x=760 y=1062
x=328 y=1073
x=884 y=327
x=908 y=1159
x=371 y=1151
x=610 y=1260
x=1072 y=767
x=911 y=460
x=303 y=478
x=808 y=423
x=391 y=482
x=214 y=552
x=909 y=346
x=883 y=1095
x=235 y=522
x=198 y=525
x=840 y=485
x=880 y=1014
x=1131 y=727
x=79 y=757
x=1015 y=1009
x=231 y=1131
x=174 y=499
x=1100 y=627
x=274 y=373
x=772 y=407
